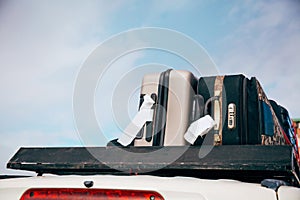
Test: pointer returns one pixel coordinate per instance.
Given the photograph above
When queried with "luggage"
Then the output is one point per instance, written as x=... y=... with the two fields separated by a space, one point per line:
x=241 y=110
x=287 y=126
x=174 y=93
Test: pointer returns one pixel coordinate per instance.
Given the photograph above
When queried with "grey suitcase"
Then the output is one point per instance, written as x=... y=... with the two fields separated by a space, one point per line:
x=173 y=91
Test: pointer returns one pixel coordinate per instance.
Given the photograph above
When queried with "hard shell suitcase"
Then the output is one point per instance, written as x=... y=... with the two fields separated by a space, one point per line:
x=241 y=109
x=173 y=91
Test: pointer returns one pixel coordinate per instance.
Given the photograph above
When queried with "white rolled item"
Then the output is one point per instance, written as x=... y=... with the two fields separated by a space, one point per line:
x=144 y=115
x=198 y=128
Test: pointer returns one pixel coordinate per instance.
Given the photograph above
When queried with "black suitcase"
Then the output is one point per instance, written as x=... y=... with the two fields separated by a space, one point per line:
x=284 y=119
x=287 y=126
x=241 y=109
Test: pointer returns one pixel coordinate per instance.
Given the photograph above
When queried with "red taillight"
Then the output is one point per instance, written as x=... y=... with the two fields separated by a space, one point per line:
x=88 y=194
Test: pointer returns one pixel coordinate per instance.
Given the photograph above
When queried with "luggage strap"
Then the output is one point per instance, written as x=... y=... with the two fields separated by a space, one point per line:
x=200 y=127
x=144 y=115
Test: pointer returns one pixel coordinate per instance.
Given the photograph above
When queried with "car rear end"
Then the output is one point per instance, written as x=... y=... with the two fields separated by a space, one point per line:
x=142 y=187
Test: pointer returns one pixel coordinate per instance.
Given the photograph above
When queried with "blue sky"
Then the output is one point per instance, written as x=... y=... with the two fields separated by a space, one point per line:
x=44 y=43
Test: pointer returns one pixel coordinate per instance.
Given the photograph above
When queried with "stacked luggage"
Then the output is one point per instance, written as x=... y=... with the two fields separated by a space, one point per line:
x=214 y=110
x=242 y=113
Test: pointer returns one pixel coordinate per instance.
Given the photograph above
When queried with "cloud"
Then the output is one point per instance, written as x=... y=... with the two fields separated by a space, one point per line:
x=266 y=45
x=14 y=140
x=163 y=6
x=43 y=45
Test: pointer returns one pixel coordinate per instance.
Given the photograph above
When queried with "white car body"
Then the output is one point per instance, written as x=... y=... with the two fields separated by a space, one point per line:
x=171 y=188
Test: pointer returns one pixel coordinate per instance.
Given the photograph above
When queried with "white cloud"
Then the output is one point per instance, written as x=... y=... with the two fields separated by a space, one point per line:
x=35 y=45
x=42 y=47
x=43 y=44
x=14 y=140
x=163 y=6
x=266 y=45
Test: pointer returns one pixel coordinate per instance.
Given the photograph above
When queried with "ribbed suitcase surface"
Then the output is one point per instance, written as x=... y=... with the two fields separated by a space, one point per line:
x=174 y=91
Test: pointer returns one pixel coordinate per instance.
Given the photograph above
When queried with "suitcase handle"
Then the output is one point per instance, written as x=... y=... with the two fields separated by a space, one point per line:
x=217 y=137
x=197 y=108
x=141 y=132
x=211 y=99
x=148 y=125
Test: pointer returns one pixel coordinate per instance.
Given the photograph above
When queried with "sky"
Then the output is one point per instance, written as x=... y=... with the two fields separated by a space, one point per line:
x=43 y=45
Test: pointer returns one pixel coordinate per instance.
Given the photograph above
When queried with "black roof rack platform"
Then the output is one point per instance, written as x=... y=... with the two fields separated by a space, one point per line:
x=243 y=162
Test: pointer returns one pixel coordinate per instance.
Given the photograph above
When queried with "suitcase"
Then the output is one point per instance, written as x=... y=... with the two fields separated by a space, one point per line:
x=241 y=109
x=284 y=120
x=287 y=126
x=174 y=93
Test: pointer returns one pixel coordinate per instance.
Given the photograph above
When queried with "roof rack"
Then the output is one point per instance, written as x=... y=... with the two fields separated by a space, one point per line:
x=251 y=163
